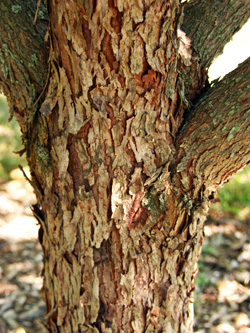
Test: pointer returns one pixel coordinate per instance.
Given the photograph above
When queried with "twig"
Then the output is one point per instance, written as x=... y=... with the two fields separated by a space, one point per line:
x=44 y=88
x=37 y=10
x=24 y=174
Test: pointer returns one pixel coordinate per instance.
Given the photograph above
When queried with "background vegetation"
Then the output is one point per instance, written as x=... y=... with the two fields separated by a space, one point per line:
x=10 y=142
x=234 y=198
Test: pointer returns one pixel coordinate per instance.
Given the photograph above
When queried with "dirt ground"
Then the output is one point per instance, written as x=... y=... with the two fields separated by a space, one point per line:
x=222 y=296
x=21 y=307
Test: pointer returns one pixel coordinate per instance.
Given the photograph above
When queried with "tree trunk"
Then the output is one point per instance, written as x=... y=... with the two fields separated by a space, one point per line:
x=123 y=170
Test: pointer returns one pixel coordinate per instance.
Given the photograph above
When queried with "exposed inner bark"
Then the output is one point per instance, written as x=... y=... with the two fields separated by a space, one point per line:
x=123 y=180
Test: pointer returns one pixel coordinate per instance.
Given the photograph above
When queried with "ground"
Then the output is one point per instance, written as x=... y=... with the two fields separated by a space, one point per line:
x=21 y=307
x=222 y=302
x=222 y=296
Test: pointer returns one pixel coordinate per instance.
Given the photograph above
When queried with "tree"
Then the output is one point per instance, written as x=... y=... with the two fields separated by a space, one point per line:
x=127 y=144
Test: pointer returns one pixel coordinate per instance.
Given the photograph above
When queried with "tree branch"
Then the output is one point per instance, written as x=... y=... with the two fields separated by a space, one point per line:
x=210 y=24
x=214 y=141
x=23 y=54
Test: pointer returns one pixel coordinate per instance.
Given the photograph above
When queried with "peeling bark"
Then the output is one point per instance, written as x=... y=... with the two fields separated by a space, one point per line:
x=113 y=139
x=122 y=176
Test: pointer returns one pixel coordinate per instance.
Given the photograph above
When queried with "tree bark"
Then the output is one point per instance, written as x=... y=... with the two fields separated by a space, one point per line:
x=210 y=24
x=207 y=27
x=123 y=170
x=212 y=142
x=23 y=57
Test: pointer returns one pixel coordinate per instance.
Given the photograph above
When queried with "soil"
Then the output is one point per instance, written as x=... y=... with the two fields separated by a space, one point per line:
x=222 y=296
x=21 y=307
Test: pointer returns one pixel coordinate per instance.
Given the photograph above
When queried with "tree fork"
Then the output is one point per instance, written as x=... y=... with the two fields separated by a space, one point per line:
x=215 y=132
x=123 y=181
